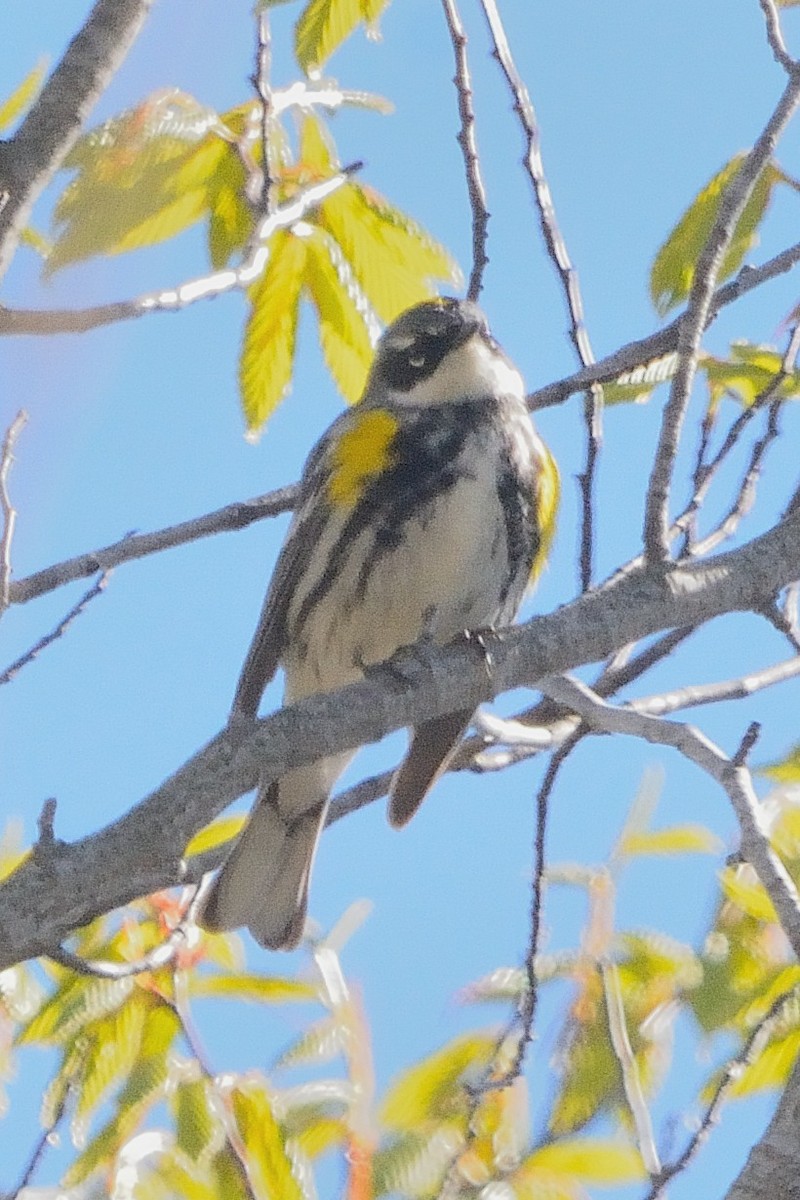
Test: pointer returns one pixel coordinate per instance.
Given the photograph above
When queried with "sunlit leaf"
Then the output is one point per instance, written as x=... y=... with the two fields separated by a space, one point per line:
x=22 y=97
x=749 y=372
x=339 y=302
x=638 y=385
x=216 y=834
x=588 y=1160
x=414 y=1164
x=321 y=1042
x=114 y=1046
x=672 y=273
x=433 y=1090
x=261 y=988
x=263 y=1138
x=771 y=1069
x=324 y=25
x=395 y=261
x=750 y=896
x=786 y=769
x=230 y=220
x=679 y=839
x=316 y=146
x=83 y=999
x=141 y=177
x=198 y=1132
x=265 y=364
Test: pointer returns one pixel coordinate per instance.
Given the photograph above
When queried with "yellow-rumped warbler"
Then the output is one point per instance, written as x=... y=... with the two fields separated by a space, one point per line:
x=424 y=511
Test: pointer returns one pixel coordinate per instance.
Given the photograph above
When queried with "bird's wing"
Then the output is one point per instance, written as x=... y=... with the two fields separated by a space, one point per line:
x=269 y=639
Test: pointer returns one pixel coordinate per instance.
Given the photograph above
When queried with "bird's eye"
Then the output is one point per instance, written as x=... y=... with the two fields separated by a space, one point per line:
x=416 y=360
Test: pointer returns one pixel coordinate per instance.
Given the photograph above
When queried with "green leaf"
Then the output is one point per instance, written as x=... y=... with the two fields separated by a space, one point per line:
x=638 y=385
x=264 y=1143
x=590 y=1160
x=750 y=370
x=787 y=769
x=22 y=97
x=394 y=260
x=141 y=177
x=263 y=989
x=230 y=218
x=414 y=1164
x=770 y=1070
x=115 y=1041
x=322 y=1041
x=340 y=305
x=216 y=834
x=679 y=839
x=325 y=24
x=198 y=1131
x=265 y=364
x=672 y=273
x=79 y=1002
x=751 y=897
x=433 y=1090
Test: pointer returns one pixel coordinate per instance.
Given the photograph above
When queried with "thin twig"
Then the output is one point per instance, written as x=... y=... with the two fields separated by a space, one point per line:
x=521 y=1024
x=159 y=956
x=557 y=250
x=7 y=508
x=60 y=629
x=775 y=36
x=44 y=1140
x=204 y=287
x=261 y=82
x=745 y=497
x=233 y=516
x=750 y=1051
x=467 y=140
x=731 y=205
x=734 y=779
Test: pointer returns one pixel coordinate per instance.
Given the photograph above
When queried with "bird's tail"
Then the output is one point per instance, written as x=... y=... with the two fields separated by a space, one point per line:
x=263 y=883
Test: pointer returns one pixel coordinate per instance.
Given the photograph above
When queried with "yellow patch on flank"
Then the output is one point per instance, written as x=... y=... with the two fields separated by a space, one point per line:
x=548 y=488
x=362 y=452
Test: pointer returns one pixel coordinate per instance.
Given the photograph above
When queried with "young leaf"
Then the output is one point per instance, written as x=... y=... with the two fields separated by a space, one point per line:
x=638 y=385
x=395 y=262
x=749 y=372
x=433 y=1090
x=265 y=364
x=141 y=177
x=342 y=312
x=324 y=25
x=198 y=1130
x=589 y=1160
x=672 y=273
x=22 y=97
x=216 y=834
x=680 y=839
x=264 y=1143
x=264 y=990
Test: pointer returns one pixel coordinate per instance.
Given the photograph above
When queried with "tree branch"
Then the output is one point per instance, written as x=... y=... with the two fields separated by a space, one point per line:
x=31 y=158
x=63 y=886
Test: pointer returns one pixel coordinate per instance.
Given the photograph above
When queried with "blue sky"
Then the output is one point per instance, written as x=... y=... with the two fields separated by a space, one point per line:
x=138 y=426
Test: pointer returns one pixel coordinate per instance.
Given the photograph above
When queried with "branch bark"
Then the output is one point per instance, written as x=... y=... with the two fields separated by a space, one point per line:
x=30 y=159
x=63 y=886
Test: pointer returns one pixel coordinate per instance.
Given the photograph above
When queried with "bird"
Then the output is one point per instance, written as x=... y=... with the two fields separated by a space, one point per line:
x=425 y=511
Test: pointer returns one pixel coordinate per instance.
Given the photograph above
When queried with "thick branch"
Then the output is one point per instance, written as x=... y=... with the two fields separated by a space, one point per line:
x=50 y=129
x=63 y=886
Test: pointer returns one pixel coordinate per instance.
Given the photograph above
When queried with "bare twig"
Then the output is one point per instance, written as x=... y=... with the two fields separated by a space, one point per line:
x=744 y=499
x=734 y=779
x=732 y=202
x=261 y=82
x=775 y=36
x=44 y=1140
x=51 y=127
x=557 y=250
x=749 y=1053
x=205 y=287
x=7 y=508
x=63 y=625
x=233 y=516
x=467 y=140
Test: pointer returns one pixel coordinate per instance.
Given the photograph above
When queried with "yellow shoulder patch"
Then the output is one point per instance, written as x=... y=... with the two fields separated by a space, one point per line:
x=362 y=452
